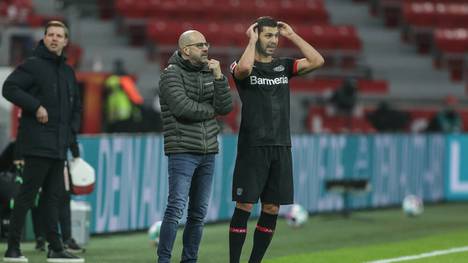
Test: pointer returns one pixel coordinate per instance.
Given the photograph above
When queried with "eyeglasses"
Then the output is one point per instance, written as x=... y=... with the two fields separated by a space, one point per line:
x=200 y=45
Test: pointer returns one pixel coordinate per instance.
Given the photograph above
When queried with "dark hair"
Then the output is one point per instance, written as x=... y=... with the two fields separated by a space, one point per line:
x=56 y=23
x=265 y=21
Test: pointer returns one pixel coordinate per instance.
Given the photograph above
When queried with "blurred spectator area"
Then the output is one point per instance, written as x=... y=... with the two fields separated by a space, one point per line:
x=438 y=28
x=303 y=89
x=321 y=119
x=21 y=28
x=435 y=27
x=21 y=12
x=158 y=24
x=18 y=43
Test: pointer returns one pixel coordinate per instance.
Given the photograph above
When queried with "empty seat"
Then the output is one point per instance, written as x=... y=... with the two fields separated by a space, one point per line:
x=429 y=14
x=309 y=11
x=452 y=40
x=321 y=85
x=324 y=37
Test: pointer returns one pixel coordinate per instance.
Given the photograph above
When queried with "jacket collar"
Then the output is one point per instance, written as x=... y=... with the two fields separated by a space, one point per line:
x=185 y=64
x=42 y=51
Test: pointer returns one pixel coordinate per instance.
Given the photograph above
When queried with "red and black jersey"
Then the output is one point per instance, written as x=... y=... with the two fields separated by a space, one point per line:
x=265 y=103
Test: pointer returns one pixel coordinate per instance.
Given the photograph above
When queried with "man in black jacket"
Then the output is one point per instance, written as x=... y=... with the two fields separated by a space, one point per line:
x=193 y=92
x=45 y=88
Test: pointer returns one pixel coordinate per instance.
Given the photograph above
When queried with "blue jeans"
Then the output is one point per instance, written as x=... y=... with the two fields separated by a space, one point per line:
x=190 y=177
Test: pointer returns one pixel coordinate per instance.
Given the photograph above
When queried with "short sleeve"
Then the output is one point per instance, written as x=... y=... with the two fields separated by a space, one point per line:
x=232 y=67
x=290 y=65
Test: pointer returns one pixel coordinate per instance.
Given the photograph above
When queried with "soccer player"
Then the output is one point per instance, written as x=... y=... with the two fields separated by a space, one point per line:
x=263 y=165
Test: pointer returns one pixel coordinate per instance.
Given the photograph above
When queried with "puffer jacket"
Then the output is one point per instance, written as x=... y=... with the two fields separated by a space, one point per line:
x=44 y=79
x=190 y=99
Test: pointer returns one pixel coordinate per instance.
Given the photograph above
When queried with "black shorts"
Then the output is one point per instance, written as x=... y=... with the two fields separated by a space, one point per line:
x=263 y=172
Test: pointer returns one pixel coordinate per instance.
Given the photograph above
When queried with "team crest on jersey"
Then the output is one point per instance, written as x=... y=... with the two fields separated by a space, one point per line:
x=279 y=68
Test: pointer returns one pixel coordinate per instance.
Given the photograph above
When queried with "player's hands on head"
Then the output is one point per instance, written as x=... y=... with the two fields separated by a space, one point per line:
x=285 y=29
x=215 y=67
x=41 y=115
x=252 y=32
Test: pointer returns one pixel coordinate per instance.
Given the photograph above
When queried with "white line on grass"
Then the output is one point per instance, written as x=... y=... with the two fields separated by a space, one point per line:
x=423 y=255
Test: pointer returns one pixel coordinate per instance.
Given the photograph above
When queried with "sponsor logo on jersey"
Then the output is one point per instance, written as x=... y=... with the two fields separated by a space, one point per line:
x=254 y=80
x=279 y=68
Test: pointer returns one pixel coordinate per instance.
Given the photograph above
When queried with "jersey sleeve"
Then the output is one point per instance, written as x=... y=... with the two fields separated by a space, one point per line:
x=291 y=66
x=232 y=68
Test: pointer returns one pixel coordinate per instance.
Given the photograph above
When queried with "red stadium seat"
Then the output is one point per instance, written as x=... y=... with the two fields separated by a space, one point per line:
x=321 y=85
x=319 y=119
x=300 y=11
x=74 y=53
x=323 y=37
x=452 y=40
x=453 y=45
x=429 y=14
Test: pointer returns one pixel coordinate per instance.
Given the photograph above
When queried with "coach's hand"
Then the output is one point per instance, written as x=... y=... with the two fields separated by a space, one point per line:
x=252 y=32
x=285 y=30
x=41 y=115
x=215 y=67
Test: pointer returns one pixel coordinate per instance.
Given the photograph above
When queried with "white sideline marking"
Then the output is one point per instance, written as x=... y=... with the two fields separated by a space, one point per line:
x=423 y=255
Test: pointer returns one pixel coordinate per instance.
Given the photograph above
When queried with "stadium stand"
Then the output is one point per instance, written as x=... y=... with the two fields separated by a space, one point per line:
x=22 y=13
x=16 y=11
x=340 y=44
x=144 y=34
x=321 y=119
x=437 y=27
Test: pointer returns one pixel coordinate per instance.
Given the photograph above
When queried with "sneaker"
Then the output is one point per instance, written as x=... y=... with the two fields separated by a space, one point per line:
x=71 y=246
x=40 y=244
x=63 y=257
x=14 y=255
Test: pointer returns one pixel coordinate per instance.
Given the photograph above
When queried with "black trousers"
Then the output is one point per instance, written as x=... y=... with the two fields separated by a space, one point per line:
x=38 y=217
x=65 y=216
x=48 y=174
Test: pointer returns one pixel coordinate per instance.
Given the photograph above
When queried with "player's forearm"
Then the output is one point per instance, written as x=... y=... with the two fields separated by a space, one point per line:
x=312 y=56
x=246 y=62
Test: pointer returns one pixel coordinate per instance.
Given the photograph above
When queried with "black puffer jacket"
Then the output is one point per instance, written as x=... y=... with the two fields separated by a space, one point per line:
x=190 y=100
x=45 y=80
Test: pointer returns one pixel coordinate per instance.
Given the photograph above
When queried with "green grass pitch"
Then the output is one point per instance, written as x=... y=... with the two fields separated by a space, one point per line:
x=365 y=236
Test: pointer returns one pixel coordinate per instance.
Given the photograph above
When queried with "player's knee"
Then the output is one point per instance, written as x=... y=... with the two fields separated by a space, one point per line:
x=270 y=209
x=244 y=206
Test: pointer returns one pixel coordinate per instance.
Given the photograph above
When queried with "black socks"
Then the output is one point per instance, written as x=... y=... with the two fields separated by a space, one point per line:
x=263 y=234
x=237 y=234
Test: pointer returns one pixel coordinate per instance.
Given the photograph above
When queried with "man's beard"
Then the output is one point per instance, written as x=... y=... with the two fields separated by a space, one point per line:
x=203 y=60
x=261 y=50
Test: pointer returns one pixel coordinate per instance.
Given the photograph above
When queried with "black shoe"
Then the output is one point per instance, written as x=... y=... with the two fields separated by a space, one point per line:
x=71 y=246
x=63 y=257
x=40 y=244
x=14 y=255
